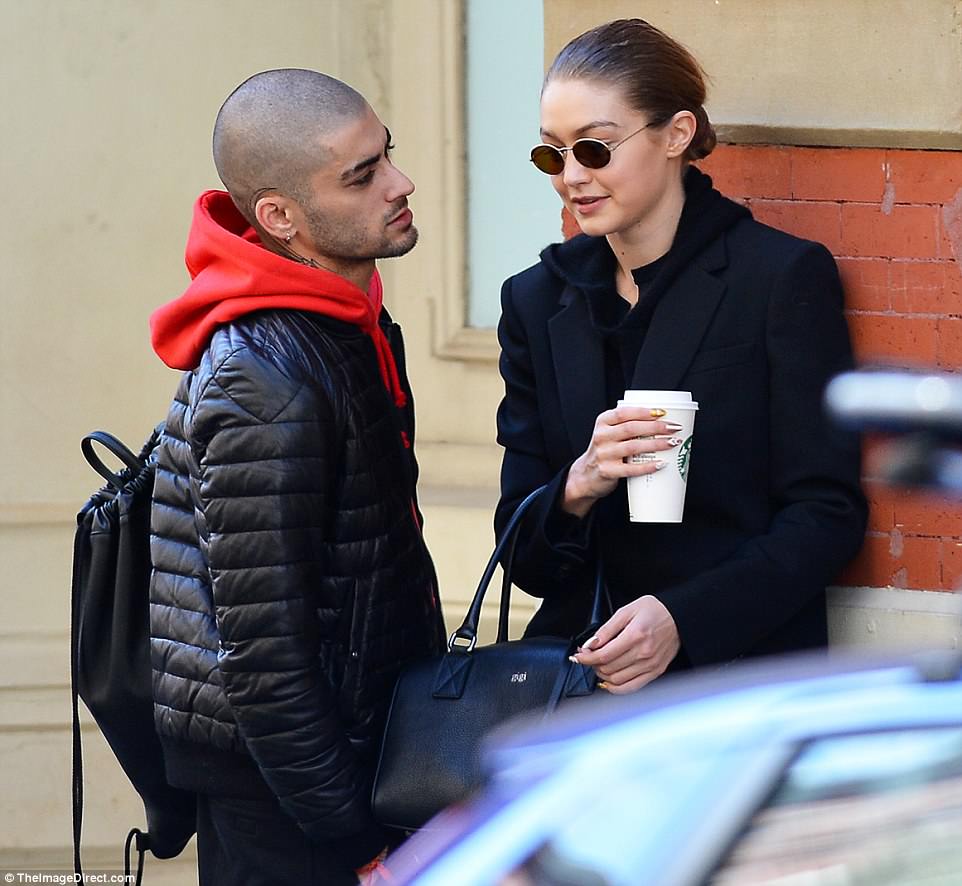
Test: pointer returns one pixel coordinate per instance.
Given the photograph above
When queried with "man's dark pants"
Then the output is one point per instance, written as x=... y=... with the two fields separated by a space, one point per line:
x=242 y=842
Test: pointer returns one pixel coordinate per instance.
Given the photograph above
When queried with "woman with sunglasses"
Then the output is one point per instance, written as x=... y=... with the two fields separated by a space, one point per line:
x=671 y=286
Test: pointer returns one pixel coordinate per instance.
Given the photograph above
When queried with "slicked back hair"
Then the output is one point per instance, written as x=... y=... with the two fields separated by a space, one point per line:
x=658 y=76
x=267 y=133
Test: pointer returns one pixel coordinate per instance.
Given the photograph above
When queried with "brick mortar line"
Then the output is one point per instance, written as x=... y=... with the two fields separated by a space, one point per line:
x=829 y=202
x=900 y=259
x=861 y=312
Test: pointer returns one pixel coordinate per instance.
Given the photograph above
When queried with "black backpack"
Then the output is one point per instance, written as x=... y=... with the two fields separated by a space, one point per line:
x=110 y=647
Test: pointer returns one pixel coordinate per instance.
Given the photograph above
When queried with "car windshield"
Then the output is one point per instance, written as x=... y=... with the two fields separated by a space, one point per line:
x=604 y=828
x=876 y=809
x=860 y=810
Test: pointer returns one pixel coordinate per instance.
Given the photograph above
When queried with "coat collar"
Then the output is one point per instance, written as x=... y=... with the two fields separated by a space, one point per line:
x=680 y=322
x=579 y=367
x=677 y=328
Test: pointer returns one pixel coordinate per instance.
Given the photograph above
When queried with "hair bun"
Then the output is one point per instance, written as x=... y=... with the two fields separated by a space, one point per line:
x=705 y=139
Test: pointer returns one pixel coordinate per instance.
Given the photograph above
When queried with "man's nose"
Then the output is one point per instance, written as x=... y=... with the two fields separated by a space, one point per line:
x=401 y=185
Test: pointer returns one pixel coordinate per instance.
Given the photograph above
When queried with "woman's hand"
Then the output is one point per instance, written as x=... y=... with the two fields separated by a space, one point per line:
x=633 y=647
x=618 y=435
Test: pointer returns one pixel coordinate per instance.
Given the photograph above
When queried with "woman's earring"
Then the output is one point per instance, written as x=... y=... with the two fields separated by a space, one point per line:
x=289 y=237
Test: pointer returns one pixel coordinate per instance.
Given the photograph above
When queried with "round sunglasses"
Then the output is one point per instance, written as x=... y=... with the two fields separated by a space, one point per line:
x=589 y=152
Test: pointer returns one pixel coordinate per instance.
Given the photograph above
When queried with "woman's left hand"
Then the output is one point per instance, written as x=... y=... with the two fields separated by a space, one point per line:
x=633 y=647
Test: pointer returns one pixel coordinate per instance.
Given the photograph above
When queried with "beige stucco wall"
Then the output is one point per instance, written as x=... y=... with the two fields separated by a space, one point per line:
x=858 y=72
x=107 y=108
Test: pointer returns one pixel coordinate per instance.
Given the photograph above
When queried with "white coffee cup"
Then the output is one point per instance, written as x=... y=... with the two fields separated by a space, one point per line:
x=659 y=497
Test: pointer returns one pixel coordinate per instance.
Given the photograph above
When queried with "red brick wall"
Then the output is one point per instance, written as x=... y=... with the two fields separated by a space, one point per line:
x=893 y=219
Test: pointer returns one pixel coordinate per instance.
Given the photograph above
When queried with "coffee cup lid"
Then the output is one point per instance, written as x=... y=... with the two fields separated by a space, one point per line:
x=661 y=399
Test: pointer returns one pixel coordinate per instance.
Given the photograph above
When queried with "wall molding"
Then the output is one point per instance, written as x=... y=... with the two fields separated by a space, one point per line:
x=452 y=338
x=894 y=618
x=466 y=343
x=896 y=599
x=35 y=659
x=749 y=134
x=38 y=513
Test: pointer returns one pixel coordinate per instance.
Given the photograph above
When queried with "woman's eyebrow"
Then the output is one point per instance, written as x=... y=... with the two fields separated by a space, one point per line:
x=594 y=124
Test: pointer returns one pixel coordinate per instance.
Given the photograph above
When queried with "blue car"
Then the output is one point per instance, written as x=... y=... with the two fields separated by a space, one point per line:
x=801 y=772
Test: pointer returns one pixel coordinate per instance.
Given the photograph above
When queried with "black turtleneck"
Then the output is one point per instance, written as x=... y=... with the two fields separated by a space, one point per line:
x=622 y=327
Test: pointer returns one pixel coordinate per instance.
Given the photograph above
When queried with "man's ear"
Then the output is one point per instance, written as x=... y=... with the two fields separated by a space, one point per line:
x=275 y=215
x=681 y=130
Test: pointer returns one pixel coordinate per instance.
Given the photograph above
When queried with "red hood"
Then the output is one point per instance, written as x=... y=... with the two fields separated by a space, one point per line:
x=233 y=275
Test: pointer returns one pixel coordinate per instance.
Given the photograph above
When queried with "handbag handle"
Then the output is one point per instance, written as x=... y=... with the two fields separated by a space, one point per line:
x=600 y=604
x=468 y=631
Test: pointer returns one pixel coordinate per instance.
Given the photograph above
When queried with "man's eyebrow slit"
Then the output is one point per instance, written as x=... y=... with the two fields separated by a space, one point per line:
x=369 y=161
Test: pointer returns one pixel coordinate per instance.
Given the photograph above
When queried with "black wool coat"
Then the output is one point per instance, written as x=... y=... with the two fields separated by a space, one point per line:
x=753 y=327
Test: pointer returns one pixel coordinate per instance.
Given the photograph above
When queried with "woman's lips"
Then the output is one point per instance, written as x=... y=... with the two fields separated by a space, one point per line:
x=587 y=205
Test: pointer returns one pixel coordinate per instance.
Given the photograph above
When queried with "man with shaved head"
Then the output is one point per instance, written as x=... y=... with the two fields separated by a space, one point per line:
x=291 y=581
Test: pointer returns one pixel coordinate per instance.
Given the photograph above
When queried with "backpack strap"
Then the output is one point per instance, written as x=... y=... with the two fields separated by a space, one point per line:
x=112 y=444
x=141 y=843
x=77 y=775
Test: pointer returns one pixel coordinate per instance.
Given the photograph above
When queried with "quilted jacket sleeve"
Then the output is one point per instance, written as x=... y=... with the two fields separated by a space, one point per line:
x=265 y=443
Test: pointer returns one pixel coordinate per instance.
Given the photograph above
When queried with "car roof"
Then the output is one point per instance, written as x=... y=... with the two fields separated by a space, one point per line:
x=768 y=681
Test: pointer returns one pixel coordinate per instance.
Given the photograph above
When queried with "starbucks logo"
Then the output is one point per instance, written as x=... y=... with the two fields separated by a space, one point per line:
x=684 y=456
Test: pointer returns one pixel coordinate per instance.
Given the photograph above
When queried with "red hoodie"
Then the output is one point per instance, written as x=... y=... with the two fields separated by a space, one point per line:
x=233 y=275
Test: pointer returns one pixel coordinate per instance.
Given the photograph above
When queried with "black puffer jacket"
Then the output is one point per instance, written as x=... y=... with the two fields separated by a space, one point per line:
x=291 y=581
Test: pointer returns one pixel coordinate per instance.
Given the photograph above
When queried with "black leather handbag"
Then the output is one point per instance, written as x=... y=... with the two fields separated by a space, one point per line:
x=443 y=706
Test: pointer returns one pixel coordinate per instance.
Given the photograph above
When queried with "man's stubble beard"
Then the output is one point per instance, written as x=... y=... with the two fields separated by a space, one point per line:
x=332 y=242
x=403 y=247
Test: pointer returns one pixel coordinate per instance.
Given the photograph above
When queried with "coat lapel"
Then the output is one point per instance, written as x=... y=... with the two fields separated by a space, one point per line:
x=680 y=322
x=579 y=368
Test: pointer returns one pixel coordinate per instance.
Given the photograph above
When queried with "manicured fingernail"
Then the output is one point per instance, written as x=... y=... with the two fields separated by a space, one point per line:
x=675 y=441
x=660 y=464
x=590 y=644
x=672 y=426
x=604 y=686
x=573 y=659
x=658 y=413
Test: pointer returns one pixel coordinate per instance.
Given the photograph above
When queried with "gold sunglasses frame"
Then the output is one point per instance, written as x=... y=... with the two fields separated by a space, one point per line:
x=573 y=148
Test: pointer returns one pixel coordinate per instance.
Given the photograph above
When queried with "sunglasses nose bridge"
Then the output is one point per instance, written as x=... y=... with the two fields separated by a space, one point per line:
x=585 y=160
x=574 y=171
